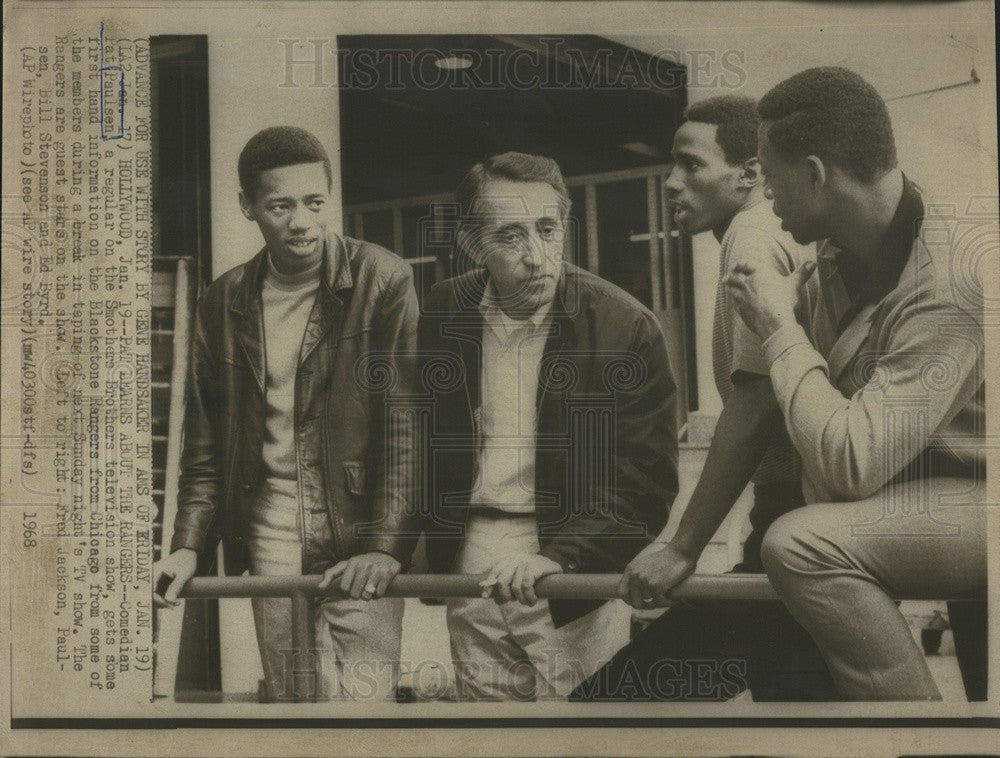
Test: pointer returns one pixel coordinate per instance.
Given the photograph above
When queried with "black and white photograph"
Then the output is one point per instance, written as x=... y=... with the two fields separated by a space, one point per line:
x=456 y=378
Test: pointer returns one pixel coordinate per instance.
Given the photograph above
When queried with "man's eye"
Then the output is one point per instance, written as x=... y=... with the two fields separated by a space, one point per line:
x=316 y=204
x=548 y=232
x=507 y=236
x=278 y=207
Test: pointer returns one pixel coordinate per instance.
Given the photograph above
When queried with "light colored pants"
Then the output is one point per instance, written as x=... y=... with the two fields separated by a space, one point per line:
x=838 y=566
x=358 y=642
x=515 y=652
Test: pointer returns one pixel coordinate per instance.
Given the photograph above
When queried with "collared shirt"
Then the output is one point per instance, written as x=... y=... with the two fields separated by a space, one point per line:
x=878 y=378
x=507 y=418
x=754 y=237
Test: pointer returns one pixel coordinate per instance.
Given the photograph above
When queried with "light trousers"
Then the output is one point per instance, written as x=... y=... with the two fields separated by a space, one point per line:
x=511 y=651
x=358 y=642
x=838 y=567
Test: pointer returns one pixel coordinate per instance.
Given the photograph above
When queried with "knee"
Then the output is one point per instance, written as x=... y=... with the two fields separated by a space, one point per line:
x=794 y=545
x=778 y=547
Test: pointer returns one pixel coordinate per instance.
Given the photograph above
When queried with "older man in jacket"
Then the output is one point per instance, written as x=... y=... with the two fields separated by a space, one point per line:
x=553 y=442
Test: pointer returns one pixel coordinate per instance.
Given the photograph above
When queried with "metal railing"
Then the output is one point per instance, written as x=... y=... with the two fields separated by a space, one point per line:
x=302 y=589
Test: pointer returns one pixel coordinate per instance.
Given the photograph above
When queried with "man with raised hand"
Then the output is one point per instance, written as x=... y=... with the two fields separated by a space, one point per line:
x=881 y=387
x=287 y=454
x=554 y=436
x=719 y=648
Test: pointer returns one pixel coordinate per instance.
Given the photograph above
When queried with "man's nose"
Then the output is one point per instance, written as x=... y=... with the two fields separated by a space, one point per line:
x=533 y=253
x=672 y=184
x=301 y=218
x=539 y=252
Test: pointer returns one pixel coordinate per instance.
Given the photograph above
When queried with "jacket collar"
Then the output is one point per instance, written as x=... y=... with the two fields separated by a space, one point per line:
x=336 y=275
x=494 y=314
x=469 y=296
x=865 y=288
x=337 y=262
x=335 y=283
x=468 y=293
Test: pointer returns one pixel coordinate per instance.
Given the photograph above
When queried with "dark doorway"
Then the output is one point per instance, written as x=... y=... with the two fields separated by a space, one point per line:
x=412 y=121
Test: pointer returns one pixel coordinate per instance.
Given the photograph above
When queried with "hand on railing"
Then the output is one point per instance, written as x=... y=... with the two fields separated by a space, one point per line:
x=652 y=575
x=364 y=576
x=179 y=567
x=514 y=577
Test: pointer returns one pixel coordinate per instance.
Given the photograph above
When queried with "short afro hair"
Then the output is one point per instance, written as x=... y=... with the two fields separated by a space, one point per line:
x=279 y=146
x=834 y=114
x=737 y=121
x=515 y=167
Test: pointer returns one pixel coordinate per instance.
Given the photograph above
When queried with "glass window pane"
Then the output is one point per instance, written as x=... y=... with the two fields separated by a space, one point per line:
x=623 y=237
x=378 y=228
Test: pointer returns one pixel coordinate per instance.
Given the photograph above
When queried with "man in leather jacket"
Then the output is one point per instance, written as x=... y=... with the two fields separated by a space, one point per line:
x=554 y=445
x=292 y=454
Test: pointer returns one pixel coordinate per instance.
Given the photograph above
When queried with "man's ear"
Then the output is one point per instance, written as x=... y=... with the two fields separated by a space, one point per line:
x=246 y=206
x=751 y=175
x=815 y=172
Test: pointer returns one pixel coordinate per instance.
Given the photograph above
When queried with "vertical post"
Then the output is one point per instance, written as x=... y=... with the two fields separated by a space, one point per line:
x=655 y=236
x=398 y=242
x=305 y=674
x=168 y=642
x=593 y=255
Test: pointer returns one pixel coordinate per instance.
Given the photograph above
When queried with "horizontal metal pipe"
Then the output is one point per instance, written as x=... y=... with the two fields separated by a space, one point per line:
x=563 y=586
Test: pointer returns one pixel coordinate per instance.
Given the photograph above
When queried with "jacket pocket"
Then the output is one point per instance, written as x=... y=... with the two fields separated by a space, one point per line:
x=356 y=475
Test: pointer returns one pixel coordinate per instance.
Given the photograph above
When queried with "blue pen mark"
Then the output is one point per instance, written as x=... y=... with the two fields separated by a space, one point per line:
x=110 y=76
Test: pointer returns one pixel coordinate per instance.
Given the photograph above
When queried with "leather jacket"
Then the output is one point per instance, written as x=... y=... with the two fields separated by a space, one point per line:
x=357 y=362
x=606 y=441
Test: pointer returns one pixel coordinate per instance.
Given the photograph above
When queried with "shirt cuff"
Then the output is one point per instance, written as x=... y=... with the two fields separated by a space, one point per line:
x=791 y=356
x=784 y=340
